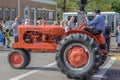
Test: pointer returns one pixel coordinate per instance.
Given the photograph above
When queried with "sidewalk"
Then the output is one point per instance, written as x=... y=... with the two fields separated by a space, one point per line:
x=5 y=47
x=113 y=51
x=113 y=46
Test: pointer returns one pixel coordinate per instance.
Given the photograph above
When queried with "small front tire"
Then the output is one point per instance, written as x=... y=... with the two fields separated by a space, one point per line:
x=17 y=59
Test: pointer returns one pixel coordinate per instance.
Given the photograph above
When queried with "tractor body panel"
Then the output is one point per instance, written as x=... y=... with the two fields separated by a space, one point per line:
x=98 y=38
x=41 y=38
x=78 y=52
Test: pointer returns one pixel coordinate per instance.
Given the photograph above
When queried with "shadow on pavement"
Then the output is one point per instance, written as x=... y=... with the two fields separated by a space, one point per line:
x=114 y=51
x=43 y=68
x=112 y=74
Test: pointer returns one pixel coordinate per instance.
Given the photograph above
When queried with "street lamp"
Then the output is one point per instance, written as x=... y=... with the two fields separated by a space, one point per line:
x=81 y=4
x=35 y=16
x=44 y=13
x=19 y=8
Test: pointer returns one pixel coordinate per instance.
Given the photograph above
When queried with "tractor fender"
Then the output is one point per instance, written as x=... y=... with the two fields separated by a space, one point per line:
x=99 y=41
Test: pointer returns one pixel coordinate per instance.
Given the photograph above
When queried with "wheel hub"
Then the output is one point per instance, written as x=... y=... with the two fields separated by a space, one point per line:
x=16 y=59
x=77 y=56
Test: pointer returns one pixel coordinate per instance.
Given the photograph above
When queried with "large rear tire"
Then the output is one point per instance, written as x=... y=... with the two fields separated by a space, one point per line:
x=17 y=59
x=78 y=56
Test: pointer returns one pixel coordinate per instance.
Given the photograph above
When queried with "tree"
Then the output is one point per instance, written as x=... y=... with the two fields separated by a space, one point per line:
x=66 y=6
x=103 y=5
x=72 y=6
x=115 y=5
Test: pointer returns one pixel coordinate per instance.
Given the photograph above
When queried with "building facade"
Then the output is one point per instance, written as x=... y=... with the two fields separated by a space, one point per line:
x=9 y=9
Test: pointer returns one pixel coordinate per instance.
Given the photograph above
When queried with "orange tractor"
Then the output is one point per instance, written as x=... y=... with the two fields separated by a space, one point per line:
x=78 y=55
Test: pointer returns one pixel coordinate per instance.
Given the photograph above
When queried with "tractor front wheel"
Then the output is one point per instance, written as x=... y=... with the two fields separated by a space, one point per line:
x=17 y=59
x=28 y=56
x=78 y=56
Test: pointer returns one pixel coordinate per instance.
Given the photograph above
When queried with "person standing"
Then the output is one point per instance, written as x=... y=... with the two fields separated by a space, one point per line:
x=3 y=26
x=7 y=36
x=15 y=29
x=19 y=20
x=62 y=23
x=71 y=23
x=66 y=27
x=1 y=39
x=27 y=22
x=118 y=36
x=3 y=29
x=107 y=35
x=55 y=23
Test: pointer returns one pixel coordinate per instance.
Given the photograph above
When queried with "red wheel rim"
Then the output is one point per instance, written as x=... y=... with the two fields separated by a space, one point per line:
x=77 y=56
x=16 y=59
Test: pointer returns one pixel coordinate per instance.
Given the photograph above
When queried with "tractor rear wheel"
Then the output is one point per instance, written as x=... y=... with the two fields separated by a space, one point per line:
x=78 y=56
x=17 y=59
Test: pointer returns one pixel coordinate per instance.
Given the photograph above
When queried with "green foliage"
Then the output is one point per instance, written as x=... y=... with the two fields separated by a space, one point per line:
x=115 y=5
x=103 y=5
x=69 y=6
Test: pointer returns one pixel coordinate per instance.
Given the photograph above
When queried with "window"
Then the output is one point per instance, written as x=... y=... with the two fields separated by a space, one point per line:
x=37 y=14
x=51 y=15
x=26 y=12
x=13 y=14
x=32 y=14
x=40 y=14
x=7 y=13
x=1 y=14
x=47 y=15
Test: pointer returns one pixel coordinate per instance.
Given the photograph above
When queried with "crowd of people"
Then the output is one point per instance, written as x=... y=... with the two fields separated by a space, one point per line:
x=118 y=36
x=4 y=35
x=99 y=25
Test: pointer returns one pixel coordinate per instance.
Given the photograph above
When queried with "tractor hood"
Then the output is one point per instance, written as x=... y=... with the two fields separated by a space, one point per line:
x=48 y=30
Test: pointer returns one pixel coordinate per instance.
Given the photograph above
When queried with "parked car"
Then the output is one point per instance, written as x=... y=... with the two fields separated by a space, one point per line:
x=49 y=22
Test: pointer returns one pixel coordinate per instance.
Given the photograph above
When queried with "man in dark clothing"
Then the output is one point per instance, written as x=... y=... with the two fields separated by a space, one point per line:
x=97 y=24
x=1 y=27
x=96 y=27
x=106 y=34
